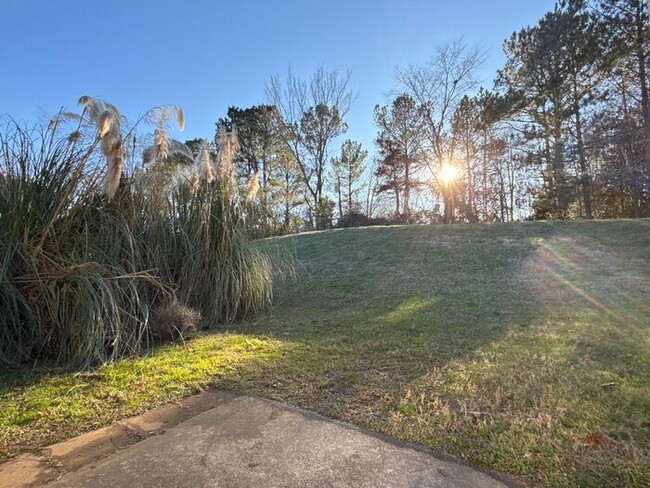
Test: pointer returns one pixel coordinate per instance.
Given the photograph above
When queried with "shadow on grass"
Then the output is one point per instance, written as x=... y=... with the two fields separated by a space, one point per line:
x=472 y=339
x=491 y=343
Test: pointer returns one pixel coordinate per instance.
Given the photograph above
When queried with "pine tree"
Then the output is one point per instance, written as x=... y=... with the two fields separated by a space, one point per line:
x=348 y=168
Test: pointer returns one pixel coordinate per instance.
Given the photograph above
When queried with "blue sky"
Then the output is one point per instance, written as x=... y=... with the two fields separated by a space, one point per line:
x=206 y=55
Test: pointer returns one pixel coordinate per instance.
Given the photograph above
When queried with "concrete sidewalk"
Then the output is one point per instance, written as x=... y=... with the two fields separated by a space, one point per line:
x=250 y=442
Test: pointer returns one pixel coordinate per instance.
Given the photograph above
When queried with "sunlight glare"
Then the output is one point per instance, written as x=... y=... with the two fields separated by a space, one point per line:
x=447 y=173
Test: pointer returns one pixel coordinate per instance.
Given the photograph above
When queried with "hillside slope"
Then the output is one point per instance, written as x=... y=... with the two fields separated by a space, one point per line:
x=523 y=348
x=511 y=345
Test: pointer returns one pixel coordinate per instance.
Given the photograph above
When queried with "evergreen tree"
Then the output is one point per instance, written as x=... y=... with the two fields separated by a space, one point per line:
x=348 y=169
x=401 y=143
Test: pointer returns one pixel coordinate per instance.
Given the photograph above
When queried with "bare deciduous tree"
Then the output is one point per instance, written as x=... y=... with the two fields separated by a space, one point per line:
x=312 y=116
x=439 y=85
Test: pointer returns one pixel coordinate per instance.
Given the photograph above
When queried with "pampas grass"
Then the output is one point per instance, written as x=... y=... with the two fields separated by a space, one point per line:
x=81 y=273
x=106 y=119
x=71 y=290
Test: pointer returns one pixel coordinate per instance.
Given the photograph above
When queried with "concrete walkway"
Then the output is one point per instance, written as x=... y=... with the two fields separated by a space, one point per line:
x=250 y=442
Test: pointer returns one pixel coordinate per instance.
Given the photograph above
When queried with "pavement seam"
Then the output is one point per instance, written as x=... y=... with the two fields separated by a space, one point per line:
x=141 y=435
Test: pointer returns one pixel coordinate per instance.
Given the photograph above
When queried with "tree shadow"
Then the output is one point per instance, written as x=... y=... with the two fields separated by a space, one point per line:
x=490 y=334
x=444 y=335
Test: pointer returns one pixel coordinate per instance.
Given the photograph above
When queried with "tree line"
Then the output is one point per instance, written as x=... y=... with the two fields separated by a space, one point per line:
x=563 y=132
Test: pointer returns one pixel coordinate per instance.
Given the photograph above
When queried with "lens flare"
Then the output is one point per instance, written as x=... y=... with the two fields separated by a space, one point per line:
x=447 y=173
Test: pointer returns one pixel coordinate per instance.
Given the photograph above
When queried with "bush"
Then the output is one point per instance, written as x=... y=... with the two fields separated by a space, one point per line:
x=356 y=219
x=80 y=273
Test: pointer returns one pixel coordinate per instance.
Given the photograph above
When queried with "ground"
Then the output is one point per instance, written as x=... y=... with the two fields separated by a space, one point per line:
x=523 y=348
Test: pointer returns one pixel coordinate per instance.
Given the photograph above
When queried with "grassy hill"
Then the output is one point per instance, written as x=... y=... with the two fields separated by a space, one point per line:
x=521 y=347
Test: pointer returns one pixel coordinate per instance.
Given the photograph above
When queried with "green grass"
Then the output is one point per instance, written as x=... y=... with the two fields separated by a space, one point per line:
x=505 y=345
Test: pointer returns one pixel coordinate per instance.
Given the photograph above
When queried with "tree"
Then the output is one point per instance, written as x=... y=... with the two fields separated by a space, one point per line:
x=465 y=141
x=324 y=213
x=621 y=127
x=194 y=145
x=372 y=194
x=583 y=40
x=348 y=170
x=628 y=21
x=288 y=186
x=438 y=86
x=401 y=143
x=312 y=117
x=534 y=78
x=555 y=67
x=257 y=131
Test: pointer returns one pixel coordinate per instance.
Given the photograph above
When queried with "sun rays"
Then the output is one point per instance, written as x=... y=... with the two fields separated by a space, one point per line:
x=572 y=264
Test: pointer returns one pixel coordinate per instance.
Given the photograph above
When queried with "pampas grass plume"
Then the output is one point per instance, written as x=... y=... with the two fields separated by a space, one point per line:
x=106 y=119
x=253 y=186
x=204 y=163
x=228 y=147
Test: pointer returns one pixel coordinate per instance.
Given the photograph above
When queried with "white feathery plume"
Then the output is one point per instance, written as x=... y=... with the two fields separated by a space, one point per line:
x=253 y=186
x=74 y=136
x=159 y=116
x=93 y=107
x=115 y=159
x=193 y=180
x=228 y=147
x=174 y=148
x=177 y=148
x=113 y=109
x=203 y=162
x=105 y=123
x=85 y=100
x=160 y=144
x=163 y=146
x=106 y=119
x=180 y=119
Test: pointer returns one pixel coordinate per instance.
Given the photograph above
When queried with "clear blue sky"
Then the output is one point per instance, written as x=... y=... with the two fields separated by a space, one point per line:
x=206 y=55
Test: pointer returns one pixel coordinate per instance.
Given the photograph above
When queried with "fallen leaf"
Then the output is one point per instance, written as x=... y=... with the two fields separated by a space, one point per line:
x=600 y=439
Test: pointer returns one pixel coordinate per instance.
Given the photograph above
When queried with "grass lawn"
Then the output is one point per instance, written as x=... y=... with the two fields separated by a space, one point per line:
x=518 y=347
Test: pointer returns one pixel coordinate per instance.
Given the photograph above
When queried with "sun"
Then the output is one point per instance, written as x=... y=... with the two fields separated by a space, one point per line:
x=447 y=173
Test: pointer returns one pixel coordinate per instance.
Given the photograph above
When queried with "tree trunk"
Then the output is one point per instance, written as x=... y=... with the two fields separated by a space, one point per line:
x=470 y=183
x=643 y=76
x=502 y=197
x=484 y=190
x=265 y=200
x=448 y=200
x=585 y=176
x=407 y=187
x=634 y=183
x=559 y=177
x=338 y=187
x=511 y=186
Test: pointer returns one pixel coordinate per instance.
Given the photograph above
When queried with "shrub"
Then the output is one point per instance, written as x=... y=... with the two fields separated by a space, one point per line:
x=86 y=254
x=356 y=219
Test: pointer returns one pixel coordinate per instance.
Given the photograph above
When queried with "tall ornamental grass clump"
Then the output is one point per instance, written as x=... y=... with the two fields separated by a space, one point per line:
x=88 y=255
